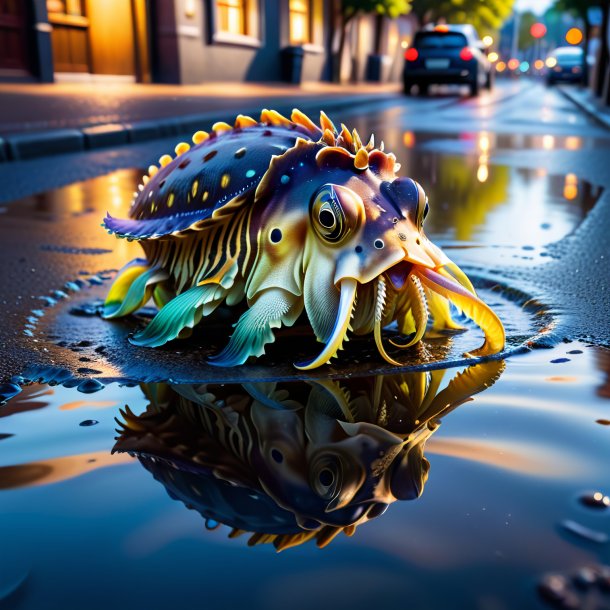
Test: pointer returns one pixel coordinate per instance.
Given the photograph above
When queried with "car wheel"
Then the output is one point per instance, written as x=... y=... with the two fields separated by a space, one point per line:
x=489 y=81
x=474 y=87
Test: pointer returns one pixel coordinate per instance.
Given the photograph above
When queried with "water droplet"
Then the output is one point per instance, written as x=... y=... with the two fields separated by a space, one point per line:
x=595 y=499
x=89 y=422
x=8 y=390
x=88 y=386
x=560 y=360
x=211 y=524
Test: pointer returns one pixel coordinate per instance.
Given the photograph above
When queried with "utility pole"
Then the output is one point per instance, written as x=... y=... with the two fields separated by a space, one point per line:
x=515 y=43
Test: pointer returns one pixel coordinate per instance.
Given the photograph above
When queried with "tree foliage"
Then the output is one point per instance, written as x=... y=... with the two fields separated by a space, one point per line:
x=526 y=21
x=390 y=8
x=485 y=16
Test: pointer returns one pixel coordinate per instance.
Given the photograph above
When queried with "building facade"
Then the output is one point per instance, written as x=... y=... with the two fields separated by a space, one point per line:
x=192 y=41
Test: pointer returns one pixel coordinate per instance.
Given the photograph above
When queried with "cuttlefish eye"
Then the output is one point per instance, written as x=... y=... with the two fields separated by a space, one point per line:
x=336 y=213
x=409 y=197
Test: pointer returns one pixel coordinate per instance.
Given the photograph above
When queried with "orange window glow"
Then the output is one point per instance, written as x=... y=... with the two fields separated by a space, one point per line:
x=231 y=16
x=300 y=30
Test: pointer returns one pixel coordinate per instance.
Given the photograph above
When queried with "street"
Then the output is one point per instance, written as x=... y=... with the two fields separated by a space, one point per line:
x=481 y=509
x=438 y=139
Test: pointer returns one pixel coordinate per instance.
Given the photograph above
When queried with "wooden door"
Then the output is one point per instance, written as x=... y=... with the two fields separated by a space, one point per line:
x=70 y=36
x=14 y=35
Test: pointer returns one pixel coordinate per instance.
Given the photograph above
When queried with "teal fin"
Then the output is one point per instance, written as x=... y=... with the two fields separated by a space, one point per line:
x=183 y=312
x=253 y=331
x=132 y=288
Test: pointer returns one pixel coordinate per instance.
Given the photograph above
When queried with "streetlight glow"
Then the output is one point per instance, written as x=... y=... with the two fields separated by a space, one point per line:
x=488 y=41
x=574 y=36
x=493 y=57
x=551 y=62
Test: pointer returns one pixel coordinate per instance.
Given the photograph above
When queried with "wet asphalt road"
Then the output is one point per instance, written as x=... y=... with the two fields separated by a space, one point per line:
x=522 y=124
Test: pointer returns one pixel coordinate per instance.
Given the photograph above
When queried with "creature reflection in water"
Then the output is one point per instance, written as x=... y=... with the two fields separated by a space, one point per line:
x=297 y=461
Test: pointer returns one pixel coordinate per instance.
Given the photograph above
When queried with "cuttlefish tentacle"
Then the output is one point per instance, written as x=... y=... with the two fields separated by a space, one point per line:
x=347 y=302
x=380 y=303
x=480 y=313
x=419 y=310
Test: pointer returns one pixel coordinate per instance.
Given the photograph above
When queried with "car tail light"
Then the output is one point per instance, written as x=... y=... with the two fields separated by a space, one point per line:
x=466 y=54
x=411 y=54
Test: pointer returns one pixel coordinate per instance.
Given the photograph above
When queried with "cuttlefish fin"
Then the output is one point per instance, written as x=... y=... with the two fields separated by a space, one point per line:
x=254 y=329
x=132 y=288
x=183 y=312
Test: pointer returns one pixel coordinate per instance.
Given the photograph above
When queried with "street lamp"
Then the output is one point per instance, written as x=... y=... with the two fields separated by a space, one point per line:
x=488 y=41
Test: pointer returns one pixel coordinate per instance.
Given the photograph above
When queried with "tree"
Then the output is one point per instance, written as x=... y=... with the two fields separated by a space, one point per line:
x=487 y=17
x=580 y=8
x=349 y=9
x=526 y=20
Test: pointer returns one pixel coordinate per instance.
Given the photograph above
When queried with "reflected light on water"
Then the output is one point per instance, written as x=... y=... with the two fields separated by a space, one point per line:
x=570 y=187
x=408 y=139
x=548 y=142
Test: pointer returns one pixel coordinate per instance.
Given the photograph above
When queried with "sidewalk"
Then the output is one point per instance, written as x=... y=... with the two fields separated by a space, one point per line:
x=586 y=101
x=38 y=120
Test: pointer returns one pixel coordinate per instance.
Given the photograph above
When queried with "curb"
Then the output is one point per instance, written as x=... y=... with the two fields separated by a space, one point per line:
x=586 y=106
x=32 y=145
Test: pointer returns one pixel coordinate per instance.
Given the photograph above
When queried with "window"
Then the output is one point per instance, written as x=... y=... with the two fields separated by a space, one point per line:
x=300 y=21
x=232 y=16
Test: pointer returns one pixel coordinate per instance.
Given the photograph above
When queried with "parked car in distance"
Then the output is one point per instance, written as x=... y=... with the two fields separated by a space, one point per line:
x=565 y=64
x=447 y=54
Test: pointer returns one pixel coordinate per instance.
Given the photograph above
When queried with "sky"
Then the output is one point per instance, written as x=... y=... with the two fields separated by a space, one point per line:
x=537 y=6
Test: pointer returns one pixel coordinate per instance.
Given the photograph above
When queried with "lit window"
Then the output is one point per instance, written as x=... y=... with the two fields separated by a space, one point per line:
x=232 y=16
x=300 y=22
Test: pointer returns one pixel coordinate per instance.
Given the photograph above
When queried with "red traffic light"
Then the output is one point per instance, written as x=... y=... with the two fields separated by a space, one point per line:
x=538 y=30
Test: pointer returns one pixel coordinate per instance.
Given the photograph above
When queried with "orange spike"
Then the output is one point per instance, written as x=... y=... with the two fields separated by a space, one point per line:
x=362 y=159
x=275 y=118
x=221 y=126
x=302 y=119
x=200 y=136
x=182 y=148
x=357 y=140
x=371 y=145
x=346 y=135
x=328 y=137
x=145 y=179
x=164 y=160
x=243 y=121
x=326 y=123
x=152 y=170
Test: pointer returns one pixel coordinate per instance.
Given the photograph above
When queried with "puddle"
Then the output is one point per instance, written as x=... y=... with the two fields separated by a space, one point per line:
x=506 y=216
x=464 y=474
x=416 y=476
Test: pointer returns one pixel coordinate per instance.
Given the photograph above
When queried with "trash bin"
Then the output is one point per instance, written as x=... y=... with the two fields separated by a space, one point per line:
x=292 y=64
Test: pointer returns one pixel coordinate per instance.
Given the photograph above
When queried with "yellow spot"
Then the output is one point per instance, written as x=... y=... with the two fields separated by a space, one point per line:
x=221 y=126
x=170 y=200
x=182 y=148
x=224 y=181
x=164 y=160
x=205 y=196
x=153 y=207
x=145 y=179
x=152 y=170
x=194 y=188
x=200 y=136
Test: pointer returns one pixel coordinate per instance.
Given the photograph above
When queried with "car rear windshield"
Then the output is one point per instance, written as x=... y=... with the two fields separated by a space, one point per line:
x=440 y=40
x=568 y=58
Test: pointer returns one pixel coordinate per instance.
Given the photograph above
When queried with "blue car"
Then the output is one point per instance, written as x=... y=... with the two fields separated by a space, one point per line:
x=565 y=64
x=447 y=54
